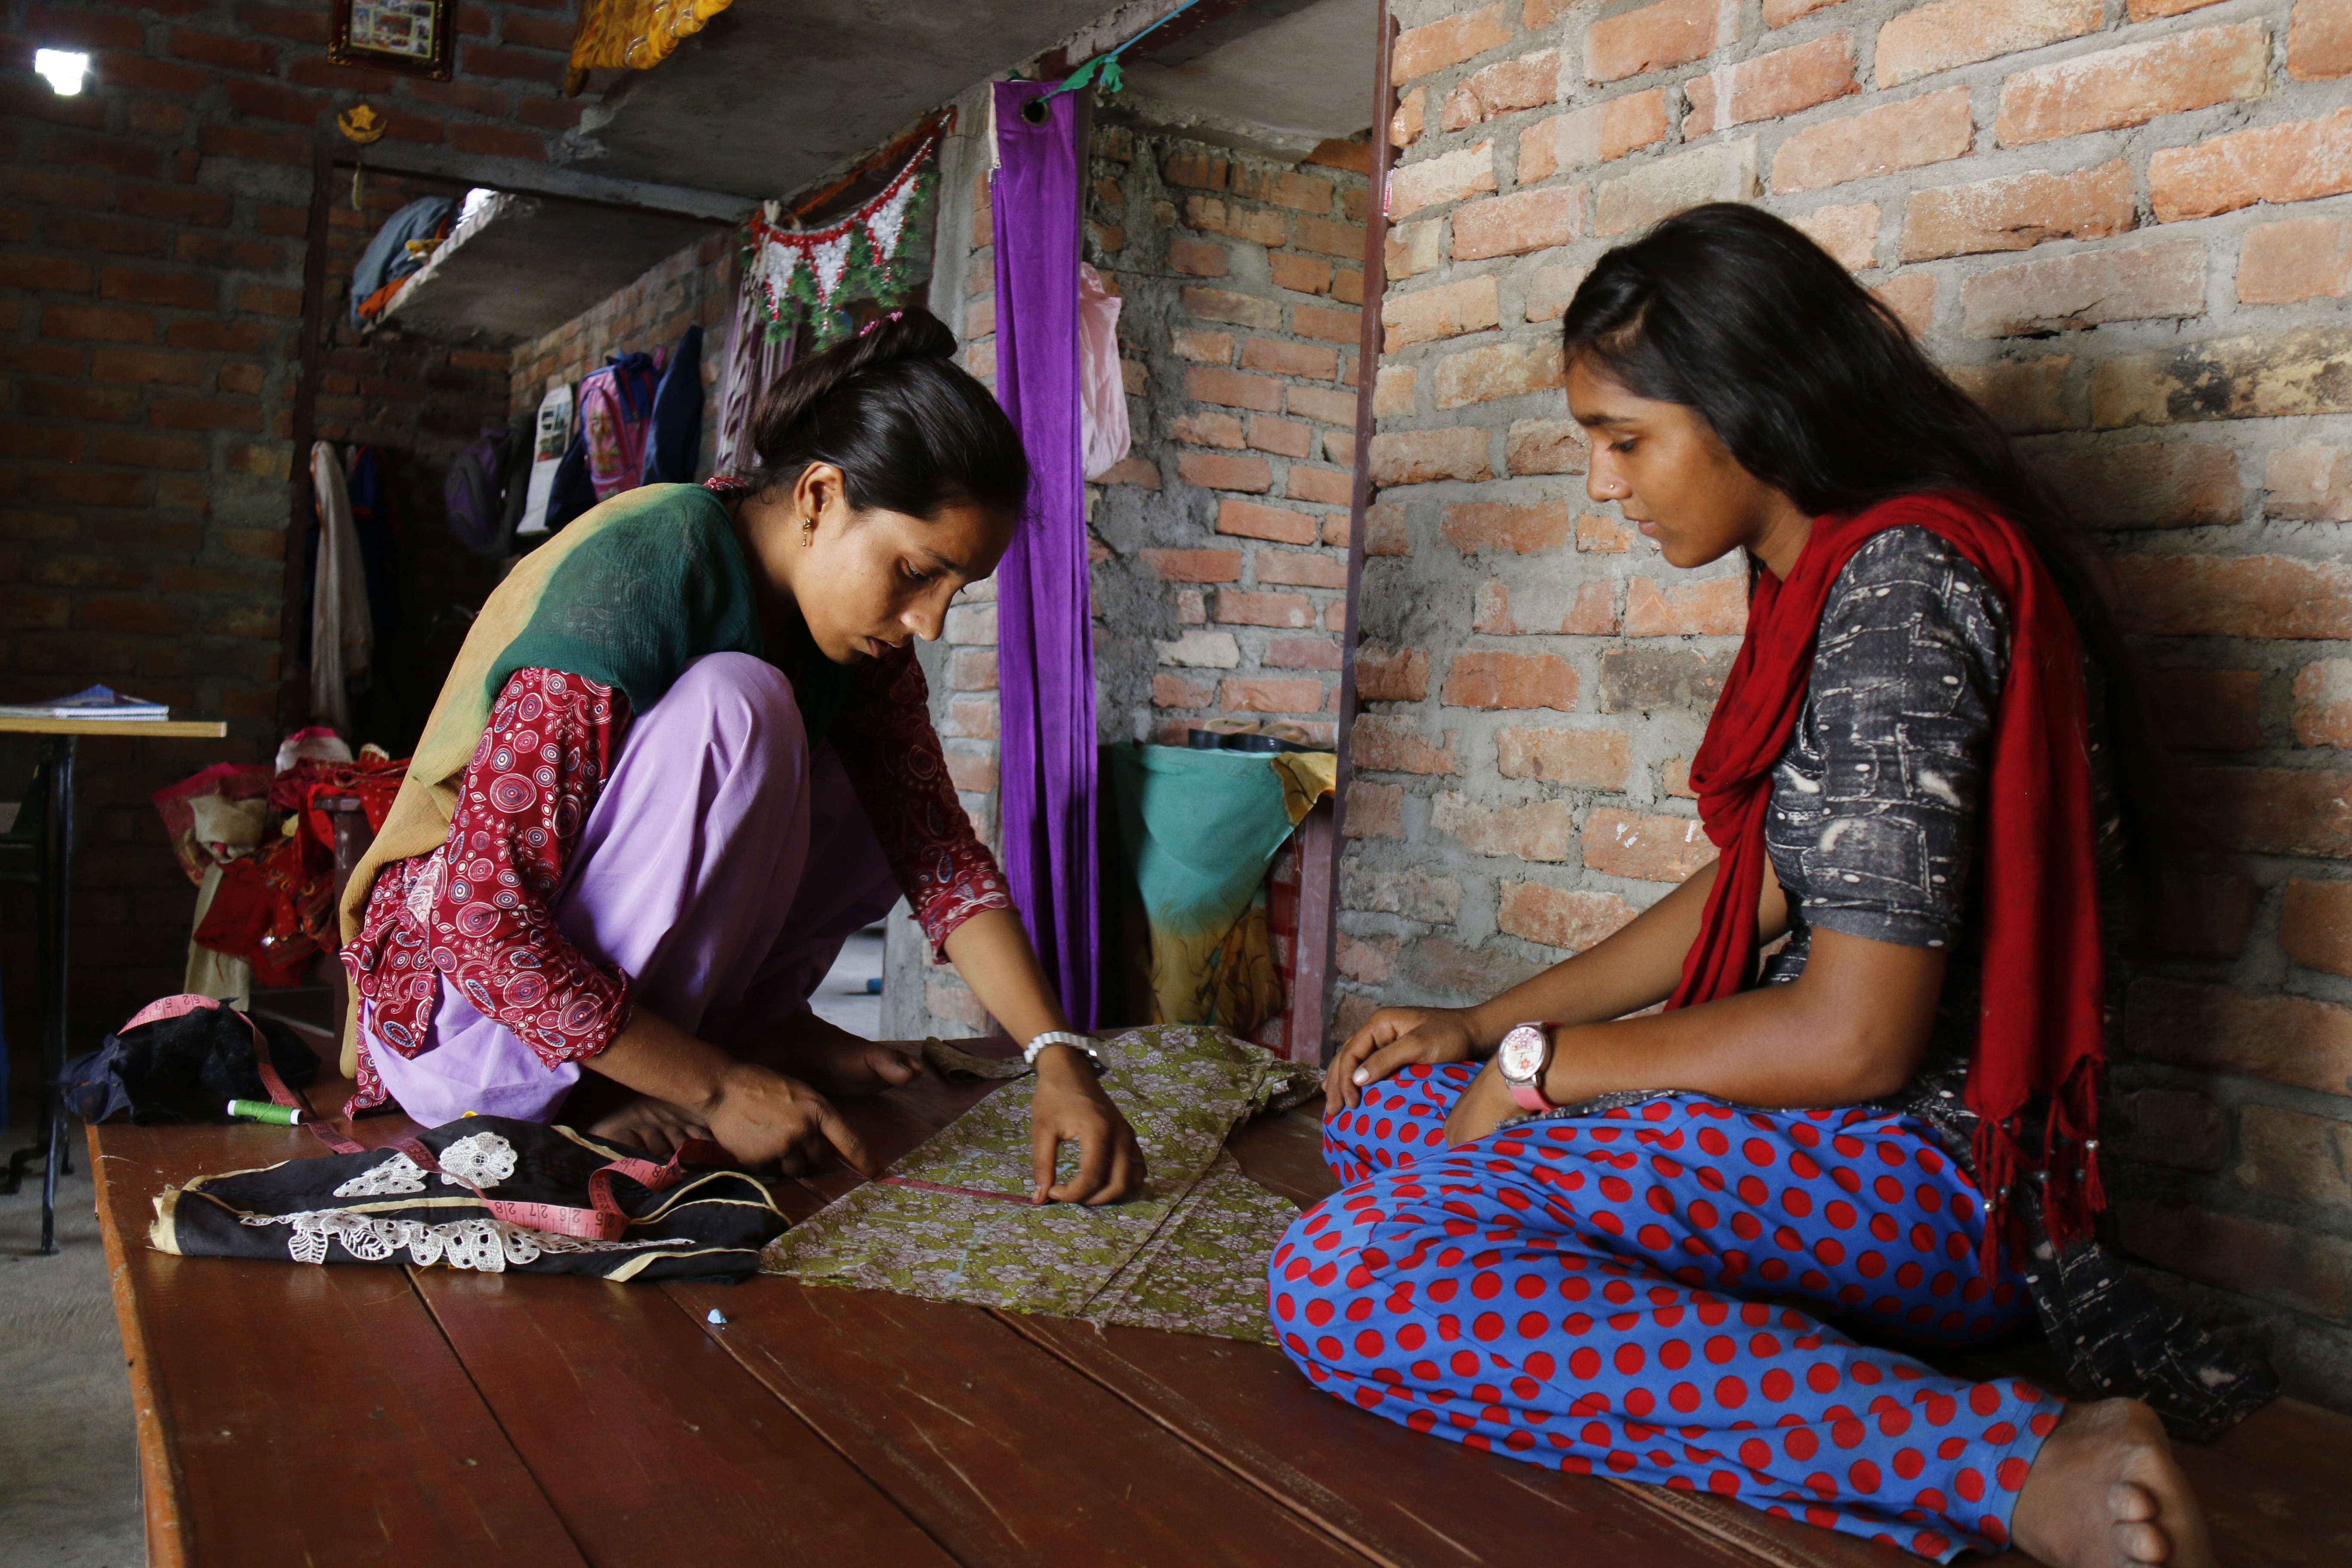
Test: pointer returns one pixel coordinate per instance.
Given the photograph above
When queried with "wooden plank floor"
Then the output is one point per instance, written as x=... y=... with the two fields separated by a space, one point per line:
x=358 y=1415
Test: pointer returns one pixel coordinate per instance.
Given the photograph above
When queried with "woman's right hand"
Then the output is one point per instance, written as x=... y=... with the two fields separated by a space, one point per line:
x=1398 y=1038
x=763 y=1117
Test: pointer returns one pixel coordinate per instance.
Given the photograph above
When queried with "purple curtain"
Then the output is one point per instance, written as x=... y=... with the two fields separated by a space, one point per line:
x=1044 y=609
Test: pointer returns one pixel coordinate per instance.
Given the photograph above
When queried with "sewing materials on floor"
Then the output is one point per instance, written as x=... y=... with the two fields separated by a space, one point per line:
x=1188 y=1255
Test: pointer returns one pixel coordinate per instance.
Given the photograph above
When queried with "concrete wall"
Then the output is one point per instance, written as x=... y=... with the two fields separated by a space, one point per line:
x=2126 y=228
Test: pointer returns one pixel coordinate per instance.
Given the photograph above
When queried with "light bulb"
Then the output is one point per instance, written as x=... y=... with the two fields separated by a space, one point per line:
x=67 y=69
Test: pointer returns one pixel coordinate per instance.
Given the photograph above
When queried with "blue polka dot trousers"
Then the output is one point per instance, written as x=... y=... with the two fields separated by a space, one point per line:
x=1668 y=1293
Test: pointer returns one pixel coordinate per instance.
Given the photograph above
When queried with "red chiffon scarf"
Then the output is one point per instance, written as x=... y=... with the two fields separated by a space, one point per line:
x=2040 y=1034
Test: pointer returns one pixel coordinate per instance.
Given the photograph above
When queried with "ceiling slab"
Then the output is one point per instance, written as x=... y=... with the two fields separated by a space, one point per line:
x=1284 y=73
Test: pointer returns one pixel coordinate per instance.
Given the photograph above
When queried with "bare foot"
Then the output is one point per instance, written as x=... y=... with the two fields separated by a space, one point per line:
x=834 y=1061
x=2104 y=1493
x=654 y=1125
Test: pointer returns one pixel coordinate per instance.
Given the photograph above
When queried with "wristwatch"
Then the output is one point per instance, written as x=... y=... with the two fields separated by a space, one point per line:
x=1523 y=1055
x=1060 y=1038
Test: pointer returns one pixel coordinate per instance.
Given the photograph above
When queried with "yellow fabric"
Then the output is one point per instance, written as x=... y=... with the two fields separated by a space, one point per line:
x=1306 y=777
x=637 y=35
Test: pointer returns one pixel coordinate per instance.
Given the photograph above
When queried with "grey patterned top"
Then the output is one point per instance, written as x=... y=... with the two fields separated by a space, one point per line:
x=1873 y=821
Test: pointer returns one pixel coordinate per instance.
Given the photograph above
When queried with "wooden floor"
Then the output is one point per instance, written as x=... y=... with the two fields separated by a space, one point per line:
x=356 y=1415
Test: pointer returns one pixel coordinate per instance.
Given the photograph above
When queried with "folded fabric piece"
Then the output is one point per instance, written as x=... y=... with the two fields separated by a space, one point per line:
x=387 y=257
x=1188 y=1255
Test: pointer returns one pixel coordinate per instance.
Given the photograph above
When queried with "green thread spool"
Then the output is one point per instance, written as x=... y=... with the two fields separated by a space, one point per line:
x=262 y=1110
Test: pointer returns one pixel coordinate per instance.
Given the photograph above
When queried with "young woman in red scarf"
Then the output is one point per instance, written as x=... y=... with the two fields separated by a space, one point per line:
x=1697 y=1246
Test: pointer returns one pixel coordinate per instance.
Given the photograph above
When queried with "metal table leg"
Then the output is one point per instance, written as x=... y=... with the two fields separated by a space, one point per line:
x=53 y=1058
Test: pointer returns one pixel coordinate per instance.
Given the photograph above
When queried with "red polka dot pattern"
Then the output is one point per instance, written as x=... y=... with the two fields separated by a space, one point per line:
x=1671 y=1293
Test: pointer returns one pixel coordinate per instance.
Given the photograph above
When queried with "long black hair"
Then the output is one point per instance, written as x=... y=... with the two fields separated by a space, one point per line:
x=1817 y=389
x=910 y=430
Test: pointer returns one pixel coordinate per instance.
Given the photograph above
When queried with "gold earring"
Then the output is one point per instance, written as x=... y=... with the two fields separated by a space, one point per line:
x=808 y=531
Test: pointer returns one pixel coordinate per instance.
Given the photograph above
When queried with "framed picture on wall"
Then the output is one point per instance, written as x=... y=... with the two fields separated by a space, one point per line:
x=415 y=36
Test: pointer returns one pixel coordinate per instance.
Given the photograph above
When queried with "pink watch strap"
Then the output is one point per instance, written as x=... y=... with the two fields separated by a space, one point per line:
x=1529 y=1097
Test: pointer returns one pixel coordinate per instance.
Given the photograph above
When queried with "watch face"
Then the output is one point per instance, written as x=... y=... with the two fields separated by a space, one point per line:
x=1521 y=1053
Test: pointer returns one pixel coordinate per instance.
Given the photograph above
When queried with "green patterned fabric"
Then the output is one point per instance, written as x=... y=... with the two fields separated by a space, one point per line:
x=1189 y=1254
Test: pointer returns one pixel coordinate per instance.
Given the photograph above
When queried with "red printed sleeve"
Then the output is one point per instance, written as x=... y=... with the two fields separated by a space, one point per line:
x=894 y=760
x=473 y=915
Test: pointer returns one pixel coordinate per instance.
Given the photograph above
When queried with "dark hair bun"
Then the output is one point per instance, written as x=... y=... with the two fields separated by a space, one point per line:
x=911 y=429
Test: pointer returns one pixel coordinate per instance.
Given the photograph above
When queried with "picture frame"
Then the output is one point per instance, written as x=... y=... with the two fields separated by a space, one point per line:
x=417 y=37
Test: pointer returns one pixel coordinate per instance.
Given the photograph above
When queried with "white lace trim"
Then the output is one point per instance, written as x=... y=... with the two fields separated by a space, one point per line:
x=488 y=1245
x=398 y=1174
x=485 y=1159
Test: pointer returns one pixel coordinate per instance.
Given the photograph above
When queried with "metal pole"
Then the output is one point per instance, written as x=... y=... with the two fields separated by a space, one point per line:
x=53 y=1066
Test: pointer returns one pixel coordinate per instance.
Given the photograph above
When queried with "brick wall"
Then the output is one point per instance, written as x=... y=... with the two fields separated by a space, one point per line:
x=2128 y=228
x=151 y=295
x=1219 y=545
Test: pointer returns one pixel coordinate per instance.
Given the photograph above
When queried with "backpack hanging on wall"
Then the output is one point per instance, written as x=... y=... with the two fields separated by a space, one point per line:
x=475 y=493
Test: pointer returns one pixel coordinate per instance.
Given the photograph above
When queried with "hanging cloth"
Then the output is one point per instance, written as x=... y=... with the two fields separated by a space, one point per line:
x=617 y=413
x=757 y=353
x=551 y=436
x=1104 y=403
x=673 y=438
x=632 y=34
x=342 y=632
x=1045 y=606
x=387 y=256
x=2040 y=1031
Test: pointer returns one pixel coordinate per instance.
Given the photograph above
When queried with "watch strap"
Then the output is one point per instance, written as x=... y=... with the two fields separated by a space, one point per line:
x=1076 y=1042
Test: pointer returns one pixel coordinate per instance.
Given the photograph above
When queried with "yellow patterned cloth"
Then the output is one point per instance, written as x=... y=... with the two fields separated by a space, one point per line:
x=636 y=34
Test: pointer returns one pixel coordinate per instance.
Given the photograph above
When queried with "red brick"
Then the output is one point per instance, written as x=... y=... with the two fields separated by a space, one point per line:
x=1211 y=215
x=1368 y=960
x=1411 y=118
x=1329 y=326
x=74 y=488
x=1600 y=134
x=2303 y=1159
x=1514 y=224
x=2308 y=1271
x=1947 y=33
x=1547 y=607
x=2019 y=212
x=1512 y=680
x=558 y=114
x=202 y=413
x=1419 y=456
x=1231 y=389
x=1300 y=274
x=224 y=53
x=1224 y=305
x=1392 y=745
x=1646 y=848
x=2273 y=811
x=1200 y=347
x=1263 y=695
x=1324 y=405
x=496 y=140
x=1910 y=134
x=1912 y=297
x=135 y=69
x=1545 y=446
x=1311 y=360
x=64 y=400
x=55 y=274
x=97 y=232
x=2300 y=258
x=1670 y=33
x=231 y=337
x=303 y=25
x=971 y=719
x=2315 y=925
x=1444 y=311
x=1769 y=86
x=1287 y=437
x=1215 y=471
x=2322 y=703
x=270 y=102
x=1849 y=234
x=1449 y=177
x=145 y=366
x=1299 y=568
x=150 y=118
x=188 y=291
x=1716 y=172
x=1503 y=89
x=1498 y=370
x=1554 y=917
x=1373 y=811
x=253 y=143
x=1236 y=607
x=1353 y=155
x=90 y=28
x=1600 y=758
x=1331 y=486
x=52 y=189
x=2063 y=293
x=116 y=155
x=2148 y=484
x=2290 y=372
x=1249 y=520
x=97 y=323
x=1544 y=830
x=481 y=60
x=2319 y=41
x=2295 y=161
x=1473 y=527
x=537 y=32
x=2239 y=597
x=1197 y=259
x=971 y=669
x=2206 y=710
x=2285 y=1039
x=176 y=203
x=1714 y=609
x=1206 y=427
x=1598 y=532
x=2135 y=84
x=1417 y=51
x=1399 y=676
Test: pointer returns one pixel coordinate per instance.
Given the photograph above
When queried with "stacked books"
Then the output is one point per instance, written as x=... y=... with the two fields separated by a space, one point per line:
x=97 y=702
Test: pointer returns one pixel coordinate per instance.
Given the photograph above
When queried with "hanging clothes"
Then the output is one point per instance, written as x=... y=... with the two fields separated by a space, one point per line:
x=1102 y=404
x=617 y=413
x=343 y=631
x=551 y=437
x=757 y=354
x=674 y=443
x=388 y=258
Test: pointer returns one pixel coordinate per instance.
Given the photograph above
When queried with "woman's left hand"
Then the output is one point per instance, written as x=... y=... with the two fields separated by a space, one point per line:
x=1069 y=1106
x=1482 y=1108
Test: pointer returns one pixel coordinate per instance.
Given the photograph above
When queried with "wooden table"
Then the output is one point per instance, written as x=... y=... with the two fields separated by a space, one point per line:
x=57 y=853
x=421 y=1417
